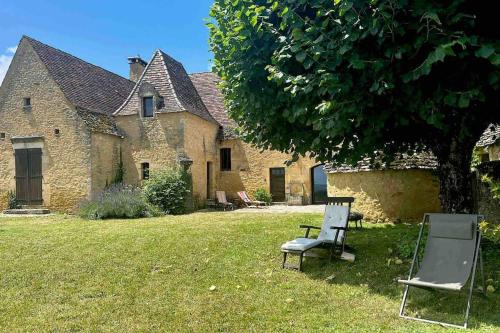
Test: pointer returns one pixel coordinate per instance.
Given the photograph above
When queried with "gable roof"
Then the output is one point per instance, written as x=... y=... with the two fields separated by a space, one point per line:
x=173 y=83
x=85 y=85
x=490 y=136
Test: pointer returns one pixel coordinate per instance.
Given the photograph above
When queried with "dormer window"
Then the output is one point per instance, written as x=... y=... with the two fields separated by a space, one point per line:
x=147 y=107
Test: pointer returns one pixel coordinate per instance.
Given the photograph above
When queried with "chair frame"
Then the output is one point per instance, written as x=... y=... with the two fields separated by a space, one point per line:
x=225 y=204
x=345 y=200
x=331 y=201
x=415 y=262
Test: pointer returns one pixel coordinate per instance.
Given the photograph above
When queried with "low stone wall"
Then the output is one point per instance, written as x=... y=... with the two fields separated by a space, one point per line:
x=389 y=195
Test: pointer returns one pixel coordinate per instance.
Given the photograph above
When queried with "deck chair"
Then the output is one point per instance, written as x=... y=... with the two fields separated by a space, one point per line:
x=249 y=202
x=353 y=216
x=450 y=258
x=222 y=201
x=332 y=235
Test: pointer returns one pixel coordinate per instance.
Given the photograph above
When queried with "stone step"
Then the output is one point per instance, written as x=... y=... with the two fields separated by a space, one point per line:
x=27 y=211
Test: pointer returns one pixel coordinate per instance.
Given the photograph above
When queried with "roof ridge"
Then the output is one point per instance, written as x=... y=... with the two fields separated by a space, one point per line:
x=30 y=39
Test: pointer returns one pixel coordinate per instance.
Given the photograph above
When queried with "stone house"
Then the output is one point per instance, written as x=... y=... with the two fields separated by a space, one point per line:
x=65 y=125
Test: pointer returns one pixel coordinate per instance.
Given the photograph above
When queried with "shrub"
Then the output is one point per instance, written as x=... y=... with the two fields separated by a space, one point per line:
x=12 y=200
x=405 y=247
x=491 y=232
x=262 y=195
x=169 y=189
x=118 y=201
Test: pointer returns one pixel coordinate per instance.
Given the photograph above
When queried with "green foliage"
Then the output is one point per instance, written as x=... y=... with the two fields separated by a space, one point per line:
x=339 y=80
x=262 y=195
x=493 y=184
x=491 y=232
x=12 y=200
x=405 y=247
x=169 y=189
x=118 y=201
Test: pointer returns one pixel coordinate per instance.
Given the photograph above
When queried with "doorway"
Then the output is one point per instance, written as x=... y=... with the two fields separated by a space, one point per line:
x=29 y=176
x=209 y=180
x=277 y=184
x=319 y=184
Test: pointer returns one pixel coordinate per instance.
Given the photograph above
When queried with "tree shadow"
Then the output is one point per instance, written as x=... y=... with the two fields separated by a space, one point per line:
x=372 y=269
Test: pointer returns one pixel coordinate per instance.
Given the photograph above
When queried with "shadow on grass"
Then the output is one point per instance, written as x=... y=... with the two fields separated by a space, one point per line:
x=373 y=271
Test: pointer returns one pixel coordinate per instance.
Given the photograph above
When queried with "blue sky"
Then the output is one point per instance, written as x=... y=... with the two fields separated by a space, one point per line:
x=105 y=33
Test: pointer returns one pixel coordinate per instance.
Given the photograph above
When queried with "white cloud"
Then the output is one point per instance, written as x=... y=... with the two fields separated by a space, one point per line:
x=5 y=60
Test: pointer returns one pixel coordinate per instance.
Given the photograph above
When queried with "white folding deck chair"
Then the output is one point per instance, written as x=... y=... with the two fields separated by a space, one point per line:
x=332 y=234
x=451 y=254
x=222 y=201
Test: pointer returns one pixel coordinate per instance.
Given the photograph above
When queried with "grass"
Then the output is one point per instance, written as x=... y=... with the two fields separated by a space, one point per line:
x=63 y=274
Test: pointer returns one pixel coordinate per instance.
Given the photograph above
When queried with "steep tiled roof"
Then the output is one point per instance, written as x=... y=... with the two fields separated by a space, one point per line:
x=85 y=85
x=424 y=161
x=490 y=136
x=184 y=89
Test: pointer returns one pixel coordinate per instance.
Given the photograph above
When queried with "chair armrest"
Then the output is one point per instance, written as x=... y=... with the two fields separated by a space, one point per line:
x=308 y=227
x=338 y=228
x=303 y=226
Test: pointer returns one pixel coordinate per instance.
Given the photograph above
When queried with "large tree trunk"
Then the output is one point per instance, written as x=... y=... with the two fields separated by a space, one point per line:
x=455 y=178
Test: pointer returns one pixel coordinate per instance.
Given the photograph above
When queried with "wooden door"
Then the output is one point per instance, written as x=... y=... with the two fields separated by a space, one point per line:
x=319 y=184
x=277 y=184
x=29 y=176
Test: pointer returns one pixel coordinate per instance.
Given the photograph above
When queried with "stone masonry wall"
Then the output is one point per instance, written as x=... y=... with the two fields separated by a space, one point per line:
x=251 y=170
x=66 y=157
x=200 y=145
x=386 y=196
x=105 y=158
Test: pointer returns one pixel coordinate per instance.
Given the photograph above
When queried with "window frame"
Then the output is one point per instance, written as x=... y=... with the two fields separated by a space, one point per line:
x=143 y=104
x=225 y=159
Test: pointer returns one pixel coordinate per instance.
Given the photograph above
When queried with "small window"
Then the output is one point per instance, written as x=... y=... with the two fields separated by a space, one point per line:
x=145 y=171
x=147 y=107
x=27 y=102
x=57 y=131
x=2 y=136
x=225 y=159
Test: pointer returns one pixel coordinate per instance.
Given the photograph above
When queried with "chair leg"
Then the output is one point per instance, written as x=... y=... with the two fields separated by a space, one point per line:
x=284 y=259
x=403 y=303
x=300 y=261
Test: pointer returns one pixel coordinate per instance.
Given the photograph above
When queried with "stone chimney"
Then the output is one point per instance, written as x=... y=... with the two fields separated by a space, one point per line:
x=137 y=66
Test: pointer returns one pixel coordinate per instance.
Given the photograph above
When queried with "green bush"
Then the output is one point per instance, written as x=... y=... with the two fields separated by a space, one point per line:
x=170 y=190
x=262 y=195
x=491 y=232
x=118 y=201
x=405 y=248
x=12 y=198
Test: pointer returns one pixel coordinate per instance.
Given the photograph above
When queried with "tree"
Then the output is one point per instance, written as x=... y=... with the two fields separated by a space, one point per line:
x=344 y=80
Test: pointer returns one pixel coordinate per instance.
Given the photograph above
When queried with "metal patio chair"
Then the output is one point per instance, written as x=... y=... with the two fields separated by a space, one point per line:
x=450 y=258
x=332 y=235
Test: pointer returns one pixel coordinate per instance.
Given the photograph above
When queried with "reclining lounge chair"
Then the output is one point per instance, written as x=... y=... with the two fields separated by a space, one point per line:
x=332 y=235
x=222 y=201
x=450 y=258
x=249 y=202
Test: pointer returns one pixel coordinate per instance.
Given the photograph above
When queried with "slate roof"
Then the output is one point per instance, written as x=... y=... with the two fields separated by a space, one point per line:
x=490 y=136
x=184 y=89
x=207 y=85
x=86 y=86
x=425 y=161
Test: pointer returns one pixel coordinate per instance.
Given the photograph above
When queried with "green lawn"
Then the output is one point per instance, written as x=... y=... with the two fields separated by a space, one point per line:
x=63 y=274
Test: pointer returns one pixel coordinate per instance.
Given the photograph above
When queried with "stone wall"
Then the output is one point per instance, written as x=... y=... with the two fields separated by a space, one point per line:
x=156 y=141
x=389 y=195
x=105 y=158
x=200 y=145
x=251 y=170
x=486 y=204
x=66 y=156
